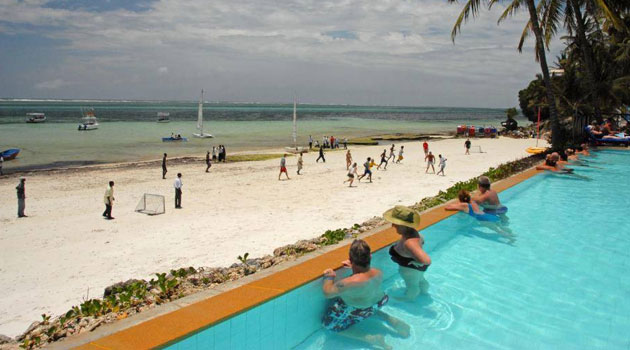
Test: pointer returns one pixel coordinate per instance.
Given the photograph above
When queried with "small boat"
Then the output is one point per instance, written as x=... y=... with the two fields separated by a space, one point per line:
x=163 y=117
x=10 y=154
x=200 y=121
x=89 y=120
x=174 y=139
x=295 y=148
x=35 y=117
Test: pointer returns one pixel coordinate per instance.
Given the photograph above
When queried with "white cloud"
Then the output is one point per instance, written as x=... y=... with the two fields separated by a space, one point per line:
x=51 y=84
x=209 y=41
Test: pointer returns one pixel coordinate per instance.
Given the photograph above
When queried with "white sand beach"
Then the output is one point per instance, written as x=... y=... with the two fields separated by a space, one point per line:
x=50 y=260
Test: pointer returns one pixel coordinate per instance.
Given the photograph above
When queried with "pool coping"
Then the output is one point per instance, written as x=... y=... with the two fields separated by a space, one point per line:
x=183 y=317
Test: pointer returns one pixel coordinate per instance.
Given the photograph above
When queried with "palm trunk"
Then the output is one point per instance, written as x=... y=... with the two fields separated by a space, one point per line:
x=587 y=55
x=540 y=48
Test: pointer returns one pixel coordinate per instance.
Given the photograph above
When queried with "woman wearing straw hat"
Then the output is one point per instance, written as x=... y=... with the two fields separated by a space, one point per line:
x=413 y=261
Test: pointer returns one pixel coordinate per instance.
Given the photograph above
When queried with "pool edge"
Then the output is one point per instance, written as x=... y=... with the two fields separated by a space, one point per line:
x=168 y=328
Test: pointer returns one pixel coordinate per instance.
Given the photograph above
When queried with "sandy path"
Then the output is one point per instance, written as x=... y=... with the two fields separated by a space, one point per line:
x=49 y=260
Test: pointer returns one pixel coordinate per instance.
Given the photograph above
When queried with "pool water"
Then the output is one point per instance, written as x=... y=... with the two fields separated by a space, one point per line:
x=564 y=283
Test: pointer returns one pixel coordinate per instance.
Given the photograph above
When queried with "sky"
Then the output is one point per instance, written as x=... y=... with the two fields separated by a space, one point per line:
x=364 y=52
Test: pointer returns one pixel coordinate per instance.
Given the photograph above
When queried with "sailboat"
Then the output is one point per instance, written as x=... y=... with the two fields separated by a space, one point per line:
x=295 y=148
x=200 y=120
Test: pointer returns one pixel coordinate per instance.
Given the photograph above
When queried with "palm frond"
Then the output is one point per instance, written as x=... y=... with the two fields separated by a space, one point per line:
x=471 y=8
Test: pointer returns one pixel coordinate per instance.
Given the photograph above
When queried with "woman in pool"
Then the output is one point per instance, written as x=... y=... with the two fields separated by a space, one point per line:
x=413 y=261
x=491 y=221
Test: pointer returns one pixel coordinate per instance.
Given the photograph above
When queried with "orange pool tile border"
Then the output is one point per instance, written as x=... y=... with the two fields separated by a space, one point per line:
x=169 y=328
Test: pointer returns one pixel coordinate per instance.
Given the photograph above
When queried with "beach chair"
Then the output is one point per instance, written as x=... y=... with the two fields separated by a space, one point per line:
x=610 y=141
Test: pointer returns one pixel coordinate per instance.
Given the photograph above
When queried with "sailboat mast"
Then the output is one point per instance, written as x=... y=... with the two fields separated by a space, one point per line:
x=200 y=115
x=294 y=123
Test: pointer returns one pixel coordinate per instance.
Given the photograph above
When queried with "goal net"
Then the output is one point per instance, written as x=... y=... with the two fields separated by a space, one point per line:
x=151 y=204
x=477 y=149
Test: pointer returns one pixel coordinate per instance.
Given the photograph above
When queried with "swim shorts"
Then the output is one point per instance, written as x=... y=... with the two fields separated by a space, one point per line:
x=339 y=316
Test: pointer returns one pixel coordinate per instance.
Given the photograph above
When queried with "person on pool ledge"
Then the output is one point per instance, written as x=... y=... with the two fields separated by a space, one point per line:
x=358 y=297
x=489 y=199
x=466 y=205
x=413 y=261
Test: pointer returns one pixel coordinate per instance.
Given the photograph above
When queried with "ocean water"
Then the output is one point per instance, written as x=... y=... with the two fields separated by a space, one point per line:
x=563 y=284
x=128 y=130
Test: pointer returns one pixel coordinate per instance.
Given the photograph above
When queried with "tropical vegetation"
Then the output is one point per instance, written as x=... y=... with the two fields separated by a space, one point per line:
x=593 y=71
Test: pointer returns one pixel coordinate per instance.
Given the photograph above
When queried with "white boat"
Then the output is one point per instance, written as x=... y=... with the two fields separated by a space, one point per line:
x=89 y=120
x=163 y=117
x=35 y=117
x=295 y=148
x=201 y=134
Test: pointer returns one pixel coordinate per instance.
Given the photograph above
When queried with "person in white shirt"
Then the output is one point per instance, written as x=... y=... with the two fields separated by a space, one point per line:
x=442 y=165
x=178 y=191
x=352 y=173
x=400 y=154
x=109 y=200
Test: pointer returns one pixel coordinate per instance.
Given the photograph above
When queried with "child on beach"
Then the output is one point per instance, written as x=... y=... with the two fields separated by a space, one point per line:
x=368 y=172
x=430 y=158
x=400 y=154
x=283 y=167
x=348 y=160
x=300 y=164
x=442 y=165
x=383 y=160
x=321 y=155
x=391 y=153
x=413 y=261
x=352 y=173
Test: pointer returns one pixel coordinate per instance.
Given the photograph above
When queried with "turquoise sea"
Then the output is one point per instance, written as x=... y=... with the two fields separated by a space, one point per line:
x=129 y=132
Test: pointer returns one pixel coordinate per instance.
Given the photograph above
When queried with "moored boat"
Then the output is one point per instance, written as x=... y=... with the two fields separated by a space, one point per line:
x=10 y=154
x=201 y=134
x=174 y=139
x=35 y=117
x=89 y=120
x=163 y=117
x=295 y=148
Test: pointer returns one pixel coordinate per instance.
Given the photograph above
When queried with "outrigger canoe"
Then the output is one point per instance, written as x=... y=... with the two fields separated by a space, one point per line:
x=174 y=139
x=10 y=153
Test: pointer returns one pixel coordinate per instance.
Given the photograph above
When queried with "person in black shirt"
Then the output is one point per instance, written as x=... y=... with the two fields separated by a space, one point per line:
x=21 y=195
x=467 y=145
x=208 y=164
x=164 y=171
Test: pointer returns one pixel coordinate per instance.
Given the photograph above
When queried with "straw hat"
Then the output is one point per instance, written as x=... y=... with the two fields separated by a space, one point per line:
x=401 y=215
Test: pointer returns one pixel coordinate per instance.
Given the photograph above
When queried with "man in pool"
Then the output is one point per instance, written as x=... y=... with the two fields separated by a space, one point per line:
x=489 y=199
x=358 y=297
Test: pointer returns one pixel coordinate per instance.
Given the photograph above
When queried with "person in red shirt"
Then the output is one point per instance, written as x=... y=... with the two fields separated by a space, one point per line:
x=425 y=146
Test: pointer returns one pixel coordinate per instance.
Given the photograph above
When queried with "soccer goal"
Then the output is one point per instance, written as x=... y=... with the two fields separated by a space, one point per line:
x=151 y=204
x=477 y=149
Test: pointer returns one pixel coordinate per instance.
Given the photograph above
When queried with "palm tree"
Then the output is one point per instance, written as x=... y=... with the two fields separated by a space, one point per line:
x=472 y=8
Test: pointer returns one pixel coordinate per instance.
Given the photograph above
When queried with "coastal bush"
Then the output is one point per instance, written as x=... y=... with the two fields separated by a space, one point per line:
x=334 y=236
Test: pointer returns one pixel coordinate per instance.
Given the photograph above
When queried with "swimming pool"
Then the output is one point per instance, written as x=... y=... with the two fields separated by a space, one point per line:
x=563 y=284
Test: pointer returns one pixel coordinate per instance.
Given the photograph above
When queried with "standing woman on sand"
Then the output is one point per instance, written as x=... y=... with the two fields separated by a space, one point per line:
x=348 y=160
x=352 y=173
x=413 y=261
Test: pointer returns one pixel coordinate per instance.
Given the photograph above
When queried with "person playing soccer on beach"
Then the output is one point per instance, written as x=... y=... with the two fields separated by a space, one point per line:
x=283 y=167
x=208 y=163
x=400 y=154
x=348 y=160
x=413 y=261
x=383 y=160
x=358 y=297
x=391 y=153
x=164 y=171
x=310 y=142
x=425 y=147
x=467 y=146
x=321 y=154
x=352 y=173
x=442 y=165
x=368 y=172
x=430 y=159
x=300 y=164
